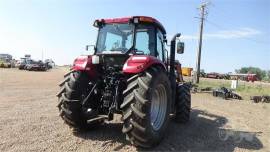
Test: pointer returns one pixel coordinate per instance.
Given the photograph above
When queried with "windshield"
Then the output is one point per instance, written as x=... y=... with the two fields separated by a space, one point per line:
x=115 y=38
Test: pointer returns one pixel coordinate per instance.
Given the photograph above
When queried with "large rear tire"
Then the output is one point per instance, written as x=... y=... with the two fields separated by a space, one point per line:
x=182 y=103
x=146 y=107
x=74 y=89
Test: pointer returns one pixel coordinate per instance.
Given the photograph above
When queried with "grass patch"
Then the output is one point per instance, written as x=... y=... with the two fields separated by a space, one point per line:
x=254 y=90
x=245 y=89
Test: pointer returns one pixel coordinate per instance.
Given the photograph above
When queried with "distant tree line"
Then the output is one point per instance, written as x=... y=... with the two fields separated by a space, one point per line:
x=261 y=74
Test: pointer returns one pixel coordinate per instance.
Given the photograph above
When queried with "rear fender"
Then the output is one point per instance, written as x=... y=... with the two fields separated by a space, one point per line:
x=139 y=63
x=84 y=63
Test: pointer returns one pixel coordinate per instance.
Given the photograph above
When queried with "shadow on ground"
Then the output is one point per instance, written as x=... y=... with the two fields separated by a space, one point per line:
x=203 y=133
x=106 y=133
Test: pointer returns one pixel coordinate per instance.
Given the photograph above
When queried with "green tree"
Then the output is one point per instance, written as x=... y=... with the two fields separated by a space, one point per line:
x=267 y=76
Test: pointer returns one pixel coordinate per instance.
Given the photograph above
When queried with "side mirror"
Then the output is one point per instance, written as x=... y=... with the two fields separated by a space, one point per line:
x=180 y=47
x=90 y=48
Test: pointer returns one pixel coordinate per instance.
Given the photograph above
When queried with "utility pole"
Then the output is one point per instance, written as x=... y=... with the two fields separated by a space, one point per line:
x=198 y=63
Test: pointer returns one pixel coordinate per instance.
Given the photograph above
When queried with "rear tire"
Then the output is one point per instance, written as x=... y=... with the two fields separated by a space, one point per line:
x=144 y=125
x=74 y=88
x=182 y=103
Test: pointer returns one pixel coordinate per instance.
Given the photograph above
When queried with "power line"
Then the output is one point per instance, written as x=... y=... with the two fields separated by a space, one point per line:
x=221 y=11
x=223 y=28
x=224 y=14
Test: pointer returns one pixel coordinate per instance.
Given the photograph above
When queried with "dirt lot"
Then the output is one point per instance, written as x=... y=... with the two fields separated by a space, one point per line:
x=29 y=121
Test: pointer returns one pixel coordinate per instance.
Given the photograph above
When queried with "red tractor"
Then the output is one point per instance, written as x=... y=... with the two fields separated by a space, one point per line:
x=129 y=73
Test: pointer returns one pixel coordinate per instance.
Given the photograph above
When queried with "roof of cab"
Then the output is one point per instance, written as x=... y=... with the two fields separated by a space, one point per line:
x=141 y=18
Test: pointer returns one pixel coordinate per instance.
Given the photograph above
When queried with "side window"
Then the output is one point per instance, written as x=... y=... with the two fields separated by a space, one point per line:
x=145 y=39
x=160 y=52
x=142 y=40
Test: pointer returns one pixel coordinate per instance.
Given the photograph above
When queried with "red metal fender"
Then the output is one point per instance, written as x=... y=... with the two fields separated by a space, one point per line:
x=139 y=63
x=84 y=63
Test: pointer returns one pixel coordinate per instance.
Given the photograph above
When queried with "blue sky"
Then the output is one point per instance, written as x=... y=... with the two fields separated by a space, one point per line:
x=236 y=34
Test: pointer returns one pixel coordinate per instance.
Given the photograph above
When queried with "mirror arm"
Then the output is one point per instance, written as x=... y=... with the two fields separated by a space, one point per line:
x=172 y=58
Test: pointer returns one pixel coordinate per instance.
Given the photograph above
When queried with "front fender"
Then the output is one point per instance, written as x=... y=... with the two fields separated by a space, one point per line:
x=139 y=63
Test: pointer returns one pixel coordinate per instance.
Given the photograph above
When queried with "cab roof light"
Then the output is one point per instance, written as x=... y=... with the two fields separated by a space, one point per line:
x=98 y=23
x=147 y=19
x=136 y=20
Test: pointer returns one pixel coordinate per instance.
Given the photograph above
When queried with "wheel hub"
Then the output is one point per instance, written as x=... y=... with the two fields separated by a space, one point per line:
x=158 y=107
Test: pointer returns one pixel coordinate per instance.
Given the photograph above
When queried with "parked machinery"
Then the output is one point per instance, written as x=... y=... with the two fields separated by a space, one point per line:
x=5 y=61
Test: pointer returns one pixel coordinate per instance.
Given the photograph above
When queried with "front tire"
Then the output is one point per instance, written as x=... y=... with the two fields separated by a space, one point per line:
x=146 y=107
x=182 y=103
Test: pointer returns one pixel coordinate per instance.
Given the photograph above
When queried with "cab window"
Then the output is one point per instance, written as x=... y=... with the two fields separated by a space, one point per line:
x=160 y=53
x=145 y=40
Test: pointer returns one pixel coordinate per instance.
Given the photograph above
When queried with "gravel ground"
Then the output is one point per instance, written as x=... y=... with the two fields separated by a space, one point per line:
x=29 y=121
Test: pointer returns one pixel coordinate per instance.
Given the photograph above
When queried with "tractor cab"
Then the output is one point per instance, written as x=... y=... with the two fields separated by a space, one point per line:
x=134 y=35
x=132 y=38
